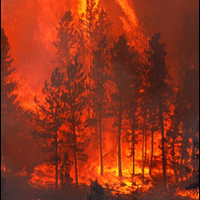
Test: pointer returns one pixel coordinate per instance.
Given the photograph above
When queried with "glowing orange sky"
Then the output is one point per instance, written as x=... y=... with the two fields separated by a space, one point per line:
x=30 y=27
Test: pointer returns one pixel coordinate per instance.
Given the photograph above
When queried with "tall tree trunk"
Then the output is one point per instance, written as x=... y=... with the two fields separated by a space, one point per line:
x=75 y=152
x=174 y=162
x=90 y=111
x=143 y=154
x=181 y=163
x=133 y=155
x=100 y=135
x=133 y=140
x=133 y=150
x=193 y=161
x=56 y=178
x=143 y=145
x=119 y=139
x=3 y=155
x=152 y=143
x=163 y=146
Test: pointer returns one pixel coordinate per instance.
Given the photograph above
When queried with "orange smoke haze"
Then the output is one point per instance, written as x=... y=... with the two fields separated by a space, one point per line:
x=30 y=26
x=31 y=29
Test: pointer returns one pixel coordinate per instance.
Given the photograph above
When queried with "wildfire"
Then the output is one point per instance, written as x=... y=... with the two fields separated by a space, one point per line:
x=194 y=194
x=34 y=66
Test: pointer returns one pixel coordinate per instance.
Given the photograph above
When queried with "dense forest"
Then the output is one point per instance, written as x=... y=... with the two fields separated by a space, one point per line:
x=110 y=122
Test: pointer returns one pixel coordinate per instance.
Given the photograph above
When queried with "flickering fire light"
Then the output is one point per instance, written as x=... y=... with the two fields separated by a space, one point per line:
x=128 y=149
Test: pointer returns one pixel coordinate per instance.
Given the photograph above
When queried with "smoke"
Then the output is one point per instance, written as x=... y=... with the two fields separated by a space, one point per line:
x=178 y=22
x=31 y=29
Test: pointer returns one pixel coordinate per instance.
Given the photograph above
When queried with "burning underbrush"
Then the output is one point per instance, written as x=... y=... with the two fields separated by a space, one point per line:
x=44 y=176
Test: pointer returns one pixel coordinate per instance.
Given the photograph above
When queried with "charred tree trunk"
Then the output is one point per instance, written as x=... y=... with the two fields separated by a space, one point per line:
x=143 y=145
x=74 y=134
x=143 y=155
x=56 y=160
x=75 y=151
x=56 y=143
x=163 y=146
x=100 y=136
x=152 y=146
x=133 y=154
x=180 y=171
x=133 y=140
x=152 y=150
x=194 y=143
x=174 y=162
x=90 y=111
x=119 y=138
x=133 y=150
x=3 y=155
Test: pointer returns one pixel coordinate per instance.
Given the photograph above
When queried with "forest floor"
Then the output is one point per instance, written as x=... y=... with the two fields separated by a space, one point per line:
x=17 y=188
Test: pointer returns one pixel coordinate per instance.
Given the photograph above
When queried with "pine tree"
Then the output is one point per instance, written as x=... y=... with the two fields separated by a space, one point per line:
x=187 y=114
x=133 y=96
x=99 y=76
x=9 y=105
x=191 y=98
x=75 y=100
x=49 y=117
x=157 y=78
x=65 y=44
x=121 y=59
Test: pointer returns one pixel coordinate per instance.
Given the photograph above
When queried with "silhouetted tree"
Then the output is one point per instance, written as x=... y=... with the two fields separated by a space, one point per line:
x=91 y=16
x=191 y=112
x=49 y=117
x=157 y=77
x=99 y=78
x=99 y=74
x=75 y=100
x=9 y=104
x=134 y=84
x=172 y=138
x=65 y=44
x=121 y=59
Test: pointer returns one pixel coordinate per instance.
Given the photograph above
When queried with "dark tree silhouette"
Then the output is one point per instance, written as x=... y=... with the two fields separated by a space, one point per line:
x=99 y=76
x=158 y=76
x=9 y=104
x=172 y=137
x=98 y=89
x=75 y=100
x=184 y=125
x=134 y=84
x=191 y=99
x=49 y=117
x=121 y=59
x=91 y=16
x=65 y=44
